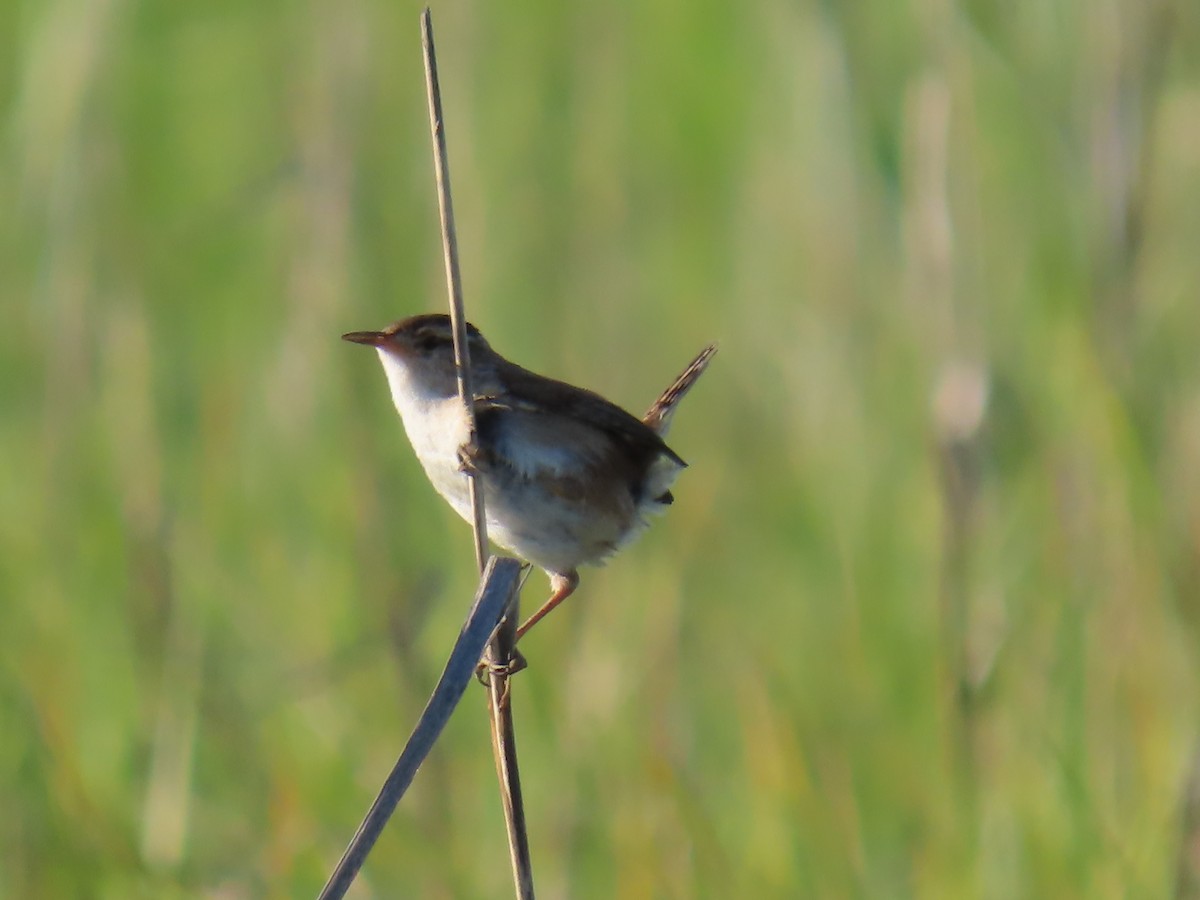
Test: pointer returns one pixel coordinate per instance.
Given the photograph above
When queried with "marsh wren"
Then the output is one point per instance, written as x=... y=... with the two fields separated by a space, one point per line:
x=568 y=477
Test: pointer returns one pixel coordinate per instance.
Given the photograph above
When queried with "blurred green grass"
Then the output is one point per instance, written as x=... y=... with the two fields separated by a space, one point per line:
x=923 y=620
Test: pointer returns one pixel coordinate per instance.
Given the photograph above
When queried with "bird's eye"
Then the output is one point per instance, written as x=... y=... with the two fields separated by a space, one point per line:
x=428 y=342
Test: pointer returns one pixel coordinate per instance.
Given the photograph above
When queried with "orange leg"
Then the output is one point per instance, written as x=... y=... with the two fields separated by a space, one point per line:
x=563 y=586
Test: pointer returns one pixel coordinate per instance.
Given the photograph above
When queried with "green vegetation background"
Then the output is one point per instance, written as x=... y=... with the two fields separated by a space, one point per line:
x=923 y=622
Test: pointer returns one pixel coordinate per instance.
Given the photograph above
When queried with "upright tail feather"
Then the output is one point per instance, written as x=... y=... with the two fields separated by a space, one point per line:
x=658 y=416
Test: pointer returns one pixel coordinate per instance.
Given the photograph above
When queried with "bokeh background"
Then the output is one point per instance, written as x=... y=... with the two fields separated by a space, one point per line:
x=923 y=621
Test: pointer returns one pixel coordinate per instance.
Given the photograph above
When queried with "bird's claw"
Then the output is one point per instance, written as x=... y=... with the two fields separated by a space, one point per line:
x=485 y=670
x=469 y=456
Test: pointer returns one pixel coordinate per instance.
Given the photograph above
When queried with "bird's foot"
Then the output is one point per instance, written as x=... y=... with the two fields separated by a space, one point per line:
x=486 y=670
x=470 y=457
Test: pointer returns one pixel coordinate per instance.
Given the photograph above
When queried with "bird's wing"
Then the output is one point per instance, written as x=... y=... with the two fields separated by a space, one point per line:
x=560 y=405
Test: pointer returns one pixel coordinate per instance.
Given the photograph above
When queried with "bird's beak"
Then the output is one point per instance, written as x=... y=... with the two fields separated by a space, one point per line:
x=370 y=338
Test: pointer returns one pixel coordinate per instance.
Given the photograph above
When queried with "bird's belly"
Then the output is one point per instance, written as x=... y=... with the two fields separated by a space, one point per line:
x=554 y=520
x=552 y=523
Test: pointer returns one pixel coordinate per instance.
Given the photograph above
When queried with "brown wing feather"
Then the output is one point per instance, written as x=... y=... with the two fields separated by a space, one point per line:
x=540 y=394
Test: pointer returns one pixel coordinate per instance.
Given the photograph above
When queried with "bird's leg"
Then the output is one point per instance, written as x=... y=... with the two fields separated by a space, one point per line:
x=563 y=585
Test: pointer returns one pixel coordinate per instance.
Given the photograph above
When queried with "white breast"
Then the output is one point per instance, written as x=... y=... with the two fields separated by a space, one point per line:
x=436 y=426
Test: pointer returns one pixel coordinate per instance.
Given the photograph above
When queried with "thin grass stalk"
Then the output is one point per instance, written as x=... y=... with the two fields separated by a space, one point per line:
x=497 y=587
x=502 y=647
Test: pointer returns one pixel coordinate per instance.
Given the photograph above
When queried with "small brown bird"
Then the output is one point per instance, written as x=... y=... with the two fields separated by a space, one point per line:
x=568 y=477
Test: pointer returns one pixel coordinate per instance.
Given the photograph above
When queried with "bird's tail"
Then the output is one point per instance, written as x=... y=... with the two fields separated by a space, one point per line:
x=658 y=416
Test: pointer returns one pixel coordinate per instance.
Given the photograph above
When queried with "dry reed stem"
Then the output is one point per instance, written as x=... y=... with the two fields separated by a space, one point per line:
x=503 y=645
x=498 y=586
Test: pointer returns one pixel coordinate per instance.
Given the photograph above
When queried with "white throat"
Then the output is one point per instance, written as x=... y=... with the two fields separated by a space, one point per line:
x=436 y=426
